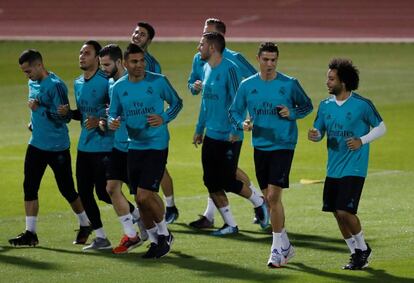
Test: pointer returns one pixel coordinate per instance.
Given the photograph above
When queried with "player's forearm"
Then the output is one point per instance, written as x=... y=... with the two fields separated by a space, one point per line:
x=374 y=133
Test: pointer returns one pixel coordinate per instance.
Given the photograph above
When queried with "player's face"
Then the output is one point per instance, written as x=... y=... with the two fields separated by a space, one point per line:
x=135 y=65
x=108 y=66
x=335 y=86
x=32 y=71
x=267 y=63
x=140 y=37
x=204 y=49
x=87 y=58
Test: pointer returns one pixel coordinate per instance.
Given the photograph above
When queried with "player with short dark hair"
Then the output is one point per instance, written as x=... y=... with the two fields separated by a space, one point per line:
x=350 y=123
x=142 y=36
x=48 y=145
x=274 y=101
x=111 y=62
x=139 y=98
x=195 y=86
x=95 y=145
x=221 y=145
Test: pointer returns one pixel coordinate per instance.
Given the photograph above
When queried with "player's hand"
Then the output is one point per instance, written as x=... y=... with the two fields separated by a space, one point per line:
x=198 y=86
x=197 y=139
x=114 y=124
x=314 y=135
x=30 y=126
x=283 y=111
x=33 y=104
x=102 y=125
x=91 y=122
x=63 y=109
x=247 y=125
x=154 y=120
x=354 y=143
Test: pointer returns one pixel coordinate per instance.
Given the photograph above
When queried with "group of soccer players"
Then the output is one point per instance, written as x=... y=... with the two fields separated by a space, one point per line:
x=124 y=139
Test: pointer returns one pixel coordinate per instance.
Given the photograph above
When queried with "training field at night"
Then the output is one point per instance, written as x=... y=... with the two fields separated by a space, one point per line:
x=386 y=77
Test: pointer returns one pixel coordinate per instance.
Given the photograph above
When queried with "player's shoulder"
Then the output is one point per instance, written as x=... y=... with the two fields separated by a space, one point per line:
x=284 y=77
x=361 y=99
x=121 y=81
x=100 y=75
x=327 y=100
x=250 y=81
x=152 y=77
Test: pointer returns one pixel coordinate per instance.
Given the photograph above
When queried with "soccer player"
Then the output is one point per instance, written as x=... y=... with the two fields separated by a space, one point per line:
x=350 y=123
x=139 y=98
x=48 y=145
x=221 y=145
x=110 y=58
x=195 y=87
x=274 y=101
x=142 y=36
x=95 y=145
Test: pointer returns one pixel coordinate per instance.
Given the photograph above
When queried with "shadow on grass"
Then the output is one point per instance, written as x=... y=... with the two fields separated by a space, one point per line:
x=315 y=242
x=23 y=261
x=203 y=267
x=374 y=275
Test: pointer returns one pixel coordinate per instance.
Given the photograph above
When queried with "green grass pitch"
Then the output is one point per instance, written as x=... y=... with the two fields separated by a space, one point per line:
x=385 y=209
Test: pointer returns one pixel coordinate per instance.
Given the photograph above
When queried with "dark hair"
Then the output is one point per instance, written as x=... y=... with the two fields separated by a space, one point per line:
x=218 y=24
x=347 y=72
x=30 y=56
x=268 y=47
x=112 y=50
x=149 y=28
x=215 y=39
x=95 y=46
x=132 y=49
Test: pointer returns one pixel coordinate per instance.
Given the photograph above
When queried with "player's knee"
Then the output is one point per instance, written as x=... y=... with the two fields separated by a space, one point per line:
x=274 y=196
x=70 y=195
x=341 y=215
x=142 y=197
x=112 y=189
x=103 y=196
x=30 y=194
x=235 y=187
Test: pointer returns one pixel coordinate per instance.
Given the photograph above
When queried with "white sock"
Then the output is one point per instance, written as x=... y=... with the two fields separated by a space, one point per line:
x=360 y=241
x=83 y=219
x=277 y=242
x=253 y=188
x=210 y=210
x=285 y=239
x=162 y=228
x=136 y=214
x=350 y=242
x=100 y=233
x=153 y=235
x=227 y=216
x=126 y=221
x=169 y=201
x=31 y=222
x=255 y=199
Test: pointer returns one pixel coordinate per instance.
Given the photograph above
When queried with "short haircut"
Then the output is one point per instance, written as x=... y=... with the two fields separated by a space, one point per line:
x=215 y=39
x=132 y=49
x=346 y=71
x=95 y=46
x=30 y=56
x=268 y=47
x=112 y=50
x=148 y=27
x=218 y=24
